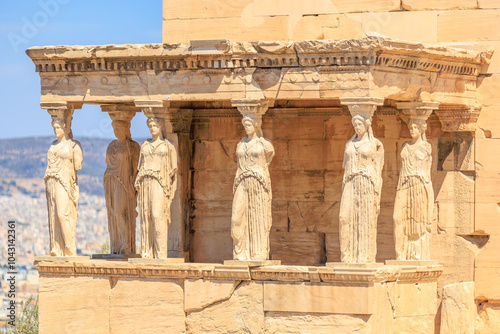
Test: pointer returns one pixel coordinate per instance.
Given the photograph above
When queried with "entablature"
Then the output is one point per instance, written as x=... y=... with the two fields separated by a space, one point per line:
x=221 y=70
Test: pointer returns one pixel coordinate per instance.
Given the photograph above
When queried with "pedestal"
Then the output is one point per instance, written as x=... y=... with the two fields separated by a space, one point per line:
x=412 y=263
x=251 y=264
x=172 y=260
x=115 y=256
x=204 y=297
x=49 y=258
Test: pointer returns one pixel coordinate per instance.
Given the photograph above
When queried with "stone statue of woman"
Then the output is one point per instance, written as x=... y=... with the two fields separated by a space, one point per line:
x=414 y=197
x=156 y=183
x=360 y=201
x=122 y=156
x=251 y=213
x=64 y=159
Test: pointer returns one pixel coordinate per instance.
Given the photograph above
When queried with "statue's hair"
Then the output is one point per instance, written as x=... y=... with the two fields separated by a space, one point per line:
x=256 y=122
x=123 y=125
x=61 y=122
x=421 y=124
x=368 y=124
x=159 y=121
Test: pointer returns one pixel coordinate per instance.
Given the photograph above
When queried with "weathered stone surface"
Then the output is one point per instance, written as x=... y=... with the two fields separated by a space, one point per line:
x=298 y=248
x=458 y=309
x=243 y=27
x=217 y=155
x=400 y=25
x=487 y=216
x=156 y=306
x=457 y=256
x=489 y=124
x=488 y=319
x=313 y=216
x=204 y=250
x=488 y=3
x=210 y=185
x=423 y=324
x=486 y=92
x=242 y=312
x=318 y=298
x=200 y=293
x=306 y=185
x=415 y=299
x=74 y=305
x=487 y=283
x=468 y=25
x=308 y=323
x=438 y=4
x=332 y=245
x=193 y=9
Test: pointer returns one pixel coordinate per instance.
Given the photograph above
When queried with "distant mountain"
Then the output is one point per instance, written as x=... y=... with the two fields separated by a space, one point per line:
x=23 y=162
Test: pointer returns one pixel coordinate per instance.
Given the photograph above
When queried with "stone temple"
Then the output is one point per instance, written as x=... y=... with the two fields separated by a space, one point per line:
x=320 y=166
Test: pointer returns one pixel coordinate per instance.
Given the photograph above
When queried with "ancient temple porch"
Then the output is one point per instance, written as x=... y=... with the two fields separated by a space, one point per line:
x=306 y=90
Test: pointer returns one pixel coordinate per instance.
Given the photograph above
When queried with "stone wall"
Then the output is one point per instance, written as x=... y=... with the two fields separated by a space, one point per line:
x=119 y=297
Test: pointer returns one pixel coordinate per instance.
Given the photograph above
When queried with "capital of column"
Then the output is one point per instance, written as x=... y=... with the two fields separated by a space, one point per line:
x=254 y=108
x=61 y=110
x=363 y=106
x=153 y=108
x=120 y=112
x=157 y=109
x=417 y=110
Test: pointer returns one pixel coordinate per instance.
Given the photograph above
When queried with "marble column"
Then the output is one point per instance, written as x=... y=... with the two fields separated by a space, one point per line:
x=64 y=160
x=122 y=157
x=414 y=196
x=362 y=184
x=251 y=210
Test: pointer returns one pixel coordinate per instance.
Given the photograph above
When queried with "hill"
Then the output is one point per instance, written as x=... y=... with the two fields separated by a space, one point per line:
x=23 y=162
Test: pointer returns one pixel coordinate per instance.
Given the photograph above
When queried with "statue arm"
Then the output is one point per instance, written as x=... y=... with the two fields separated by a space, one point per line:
x=173 y=167
x=269 y=150
x=135 y=152
x=77 y=155
x=379 y=166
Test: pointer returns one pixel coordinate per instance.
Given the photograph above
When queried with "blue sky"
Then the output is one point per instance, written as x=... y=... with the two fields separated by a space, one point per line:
x=29 y=23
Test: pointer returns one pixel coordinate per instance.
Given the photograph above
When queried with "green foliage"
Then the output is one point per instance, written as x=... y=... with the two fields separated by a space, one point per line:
x=26 y=321
x=105 y=248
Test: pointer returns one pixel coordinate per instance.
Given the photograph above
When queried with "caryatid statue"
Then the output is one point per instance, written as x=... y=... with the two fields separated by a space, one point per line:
x=64 y=159
x=122 y=157
x=251 y=212
x=156 y=183
x=414 y=196
x=362 y=185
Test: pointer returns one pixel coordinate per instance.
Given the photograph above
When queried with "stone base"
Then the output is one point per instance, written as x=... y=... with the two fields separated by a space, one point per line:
x=50 y=258
x=115 y=256
x=214 y=298
x=412 y=263
x=171 y=260
x=251 y=264
x=353 y=265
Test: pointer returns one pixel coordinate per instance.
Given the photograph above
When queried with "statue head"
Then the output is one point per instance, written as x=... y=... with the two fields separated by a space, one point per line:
x=61 y=127
x=121 y=129
x=252 y=125
x=155 y=125
x=361 y=126
x=417 y=128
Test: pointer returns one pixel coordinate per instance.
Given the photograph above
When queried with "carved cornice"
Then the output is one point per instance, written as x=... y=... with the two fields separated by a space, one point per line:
x=458 y=118
x=344 y=275
x=218 y=54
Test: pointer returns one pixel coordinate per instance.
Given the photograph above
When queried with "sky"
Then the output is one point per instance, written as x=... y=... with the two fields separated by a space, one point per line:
x=29 y=23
